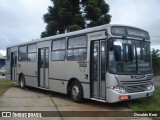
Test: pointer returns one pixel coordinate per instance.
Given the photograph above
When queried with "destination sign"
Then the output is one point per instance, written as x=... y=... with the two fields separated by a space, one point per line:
x=129 y=31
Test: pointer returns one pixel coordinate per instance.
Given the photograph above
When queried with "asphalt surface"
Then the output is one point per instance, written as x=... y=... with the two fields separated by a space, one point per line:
x=31 y=99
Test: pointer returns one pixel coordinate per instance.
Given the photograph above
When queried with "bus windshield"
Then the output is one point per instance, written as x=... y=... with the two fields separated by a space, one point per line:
x=130 y=57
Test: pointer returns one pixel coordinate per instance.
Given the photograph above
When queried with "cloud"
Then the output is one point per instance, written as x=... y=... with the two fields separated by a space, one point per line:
x=138 y=13
x=21 y=20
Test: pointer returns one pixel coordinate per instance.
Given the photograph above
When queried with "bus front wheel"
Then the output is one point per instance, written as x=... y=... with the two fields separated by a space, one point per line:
x=22 y=82
x=76 y=92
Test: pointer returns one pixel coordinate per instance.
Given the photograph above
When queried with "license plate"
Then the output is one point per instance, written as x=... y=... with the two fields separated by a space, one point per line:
x=124 y=97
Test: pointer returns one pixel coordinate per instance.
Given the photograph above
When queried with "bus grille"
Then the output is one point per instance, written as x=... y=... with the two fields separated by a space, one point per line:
x=135 y=86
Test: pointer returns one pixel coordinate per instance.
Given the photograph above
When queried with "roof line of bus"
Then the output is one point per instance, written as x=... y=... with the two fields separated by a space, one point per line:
x=93 y=29
x=64 y=35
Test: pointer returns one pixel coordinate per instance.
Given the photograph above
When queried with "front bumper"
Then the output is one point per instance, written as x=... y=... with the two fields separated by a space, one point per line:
x=112 y=96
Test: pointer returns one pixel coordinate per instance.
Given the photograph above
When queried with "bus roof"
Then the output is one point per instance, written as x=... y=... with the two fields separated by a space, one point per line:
x=83 y=31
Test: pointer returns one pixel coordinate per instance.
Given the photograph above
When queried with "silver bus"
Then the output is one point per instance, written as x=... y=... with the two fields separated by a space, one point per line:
x=108 y=63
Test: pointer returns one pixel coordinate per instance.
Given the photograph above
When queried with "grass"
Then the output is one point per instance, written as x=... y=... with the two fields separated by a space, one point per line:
x=4 y=86
x=146 y=104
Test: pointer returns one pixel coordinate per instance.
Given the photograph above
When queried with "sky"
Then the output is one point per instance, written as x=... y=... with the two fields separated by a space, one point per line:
x=22 y=20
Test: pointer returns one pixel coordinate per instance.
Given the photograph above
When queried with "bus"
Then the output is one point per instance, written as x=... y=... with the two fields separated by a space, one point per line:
x=107 y=63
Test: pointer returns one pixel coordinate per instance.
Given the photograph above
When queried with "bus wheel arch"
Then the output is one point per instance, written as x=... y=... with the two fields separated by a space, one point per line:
x=19 y=77
x=75 y=89
x=21 y=81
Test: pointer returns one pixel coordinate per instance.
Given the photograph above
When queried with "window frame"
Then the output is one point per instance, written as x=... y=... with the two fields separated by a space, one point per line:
x=8 y=54
x=76 y=48
x=59 y=39
x=22 y=53
x=32 y=52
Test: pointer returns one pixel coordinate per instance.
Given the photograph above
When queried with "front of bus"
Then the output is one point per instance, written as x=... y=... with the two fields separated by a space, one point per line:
x=129 y=73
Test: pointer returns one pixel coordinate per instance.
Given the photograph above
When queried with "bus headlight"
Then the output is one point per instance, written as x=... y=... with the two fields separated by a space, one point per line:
x=149 y=77
x=149 y=86
x=119 y=89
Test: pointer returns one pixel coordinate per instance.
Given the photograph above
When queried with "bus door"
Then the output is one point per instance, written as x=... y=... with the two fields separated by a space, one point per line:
x=98 y=69
x=43 y=65
x=14 y=66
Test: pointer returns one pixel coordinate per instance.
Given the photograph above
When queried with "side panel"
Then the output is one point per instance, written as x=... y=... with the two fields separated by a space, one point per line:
x=62 y=71
x=43 y=67
x=86 y=88
x=41 y=77
x=58 y=86
x=29 y=69
x=31 y=81
x=97 y=64
x=43 y=64
x=98 y=69
x=46 y=78
x=9 y=74
x=14 y=66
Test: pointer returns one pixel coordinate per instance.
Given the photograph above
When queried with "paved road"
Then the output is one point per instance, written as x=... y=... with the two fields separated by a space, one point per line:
x=31 y=99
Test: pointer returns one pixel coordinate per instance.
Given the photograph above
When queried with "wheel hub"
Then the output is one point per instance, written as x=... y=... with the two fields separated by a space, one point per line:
x=75 y=91
x=22 y=82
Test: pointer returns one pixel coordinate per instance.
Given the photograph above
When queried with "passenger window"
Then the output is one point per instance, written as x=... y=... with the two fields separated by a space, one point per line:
x=22 y=53
x=32 y=48
x=32 y=57
x=77 y=42
x=77 y=48
x=32 y=53
x=58 y=49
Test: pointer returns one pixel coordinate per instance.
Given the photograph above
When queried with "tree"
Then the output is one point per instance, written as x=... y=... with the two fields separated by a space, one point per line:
x=156 y=61
x=70 y=15
x=96 y=12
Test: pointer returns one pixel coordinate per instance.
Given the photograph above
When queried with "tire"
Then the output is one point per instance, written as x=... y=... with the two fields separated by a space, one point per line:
x=22 y=82
x=76 y=92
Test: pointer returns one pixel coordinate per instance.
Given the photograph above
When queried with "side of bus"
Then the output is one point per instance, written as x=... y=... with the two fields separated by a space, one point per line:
x=70 y=64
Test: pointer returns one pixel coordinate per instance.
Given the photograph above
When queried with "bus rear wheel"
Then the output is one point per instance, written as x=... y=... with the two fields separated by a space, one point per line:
x=76 y=92
x=22 y=82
